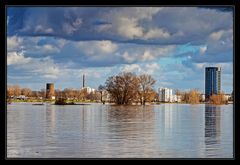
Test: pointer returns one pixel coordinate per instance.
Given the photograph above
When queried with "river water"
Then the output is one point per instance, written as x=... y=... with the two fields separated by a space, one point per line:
x=108 y=131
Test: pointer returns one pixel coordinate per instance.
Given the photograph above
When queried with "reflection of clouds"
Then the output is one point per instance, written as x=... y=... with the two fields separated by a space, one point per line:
x=212 y=124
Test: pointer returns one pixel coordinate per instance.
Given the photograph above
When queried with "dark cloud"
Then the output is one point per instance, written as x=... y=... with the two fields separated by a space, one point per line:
x=181 y=25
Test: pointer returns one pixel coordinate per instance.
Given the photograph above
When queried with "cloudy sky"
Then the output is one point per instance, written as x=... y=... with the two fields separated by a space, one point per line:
x=173 y=44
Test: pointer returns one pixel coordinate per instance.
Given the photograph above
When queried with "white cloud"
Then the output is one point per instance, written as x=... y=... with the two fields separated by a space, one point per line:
x=106 y=46
x=14 y=43
x=14 y=58
x=215 y=36
x=44 y=67
x=41 y=29
x=151 y=68
x=48 y=48
x=129 y=28
x=125 y=22
x=156 y=33
x=96 y=48
x=141 y=69
x=147 y=53
x=147 y=56
x=135 y=68
x=128 y=57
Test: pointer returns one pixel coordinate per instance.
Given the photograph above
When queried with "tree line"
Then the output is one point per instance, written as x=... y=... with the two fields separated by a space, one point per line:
x=14 y=91
x=124 y=88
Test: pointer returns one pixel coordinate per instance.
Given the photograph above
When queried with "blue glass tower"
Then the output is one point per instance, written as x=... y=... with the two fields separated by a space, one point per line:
x=212 y=81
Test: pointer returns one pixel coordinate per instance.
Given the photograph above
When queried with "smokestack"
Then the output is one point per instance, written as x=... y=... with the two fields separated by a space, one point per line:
x=83 y=80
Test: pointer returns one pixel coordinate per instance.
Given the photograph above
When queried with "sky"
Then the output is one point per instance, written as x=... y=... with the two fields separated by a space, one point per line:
x=172 y=44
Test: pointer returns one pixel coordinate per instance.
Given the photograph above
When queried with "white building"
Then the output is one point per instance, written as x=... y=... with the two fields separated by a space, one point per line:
x=176 y=98
x=227 y=96
x=165 y=95
x=89 y=90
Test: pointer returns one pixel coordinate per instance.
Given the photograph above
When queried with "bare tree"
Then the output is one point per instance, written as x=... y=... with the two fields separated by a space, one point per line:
x=123 y=88
x=26 y=92
x=10 y=91
x=101 y=88
x=146 y=92
x=193 y=96
x=16 y=90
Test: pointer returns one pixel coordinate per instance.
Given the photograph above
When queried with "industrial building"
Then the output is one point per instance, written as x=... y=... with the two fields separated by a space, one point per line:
x=50 y=94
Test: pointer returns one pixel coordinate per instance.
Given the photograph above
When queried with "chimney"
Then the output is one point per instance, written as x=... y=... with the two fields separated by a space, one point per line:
x=83 y=80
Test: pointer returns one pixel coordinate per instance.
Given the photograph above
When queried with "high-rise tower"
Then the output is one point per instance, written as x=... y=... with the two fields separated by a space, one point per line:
x=212 y=81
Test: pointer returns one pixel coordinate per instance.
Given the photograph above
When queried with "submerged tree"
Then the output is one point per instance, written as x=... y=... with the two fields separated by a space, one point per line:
x=193 y=96
x=101 y=88
x=146 y=92
x=218 y=98
x=123 y=88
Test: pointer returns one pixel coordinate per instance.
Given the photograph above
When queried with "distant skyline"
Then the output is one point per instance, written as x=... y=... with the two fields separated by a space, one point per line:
x=173 y=44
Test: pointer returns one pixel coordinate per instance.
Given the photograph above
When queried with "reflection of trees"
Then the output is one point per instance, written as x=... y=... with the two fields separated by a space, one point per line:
x=131 y=128
x=128 y=120
x=212 y=124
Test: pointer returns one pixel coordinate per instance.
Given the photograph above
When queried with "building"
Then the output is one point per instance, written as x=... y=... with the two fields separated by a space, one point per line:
x=202 y=97
x=177 y=98
x=89 y=90
x=212 y=81
x=50 y=91
x=84 y=87
x=227 y=97
x=165 y=95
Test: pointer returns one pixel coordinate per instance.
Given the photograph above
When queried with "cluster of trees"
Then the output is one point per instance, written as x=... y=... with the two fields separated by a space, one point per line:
x=192 y=97
x=127 y=88
x=15 y=91
x=75 y=94
x=218 y=99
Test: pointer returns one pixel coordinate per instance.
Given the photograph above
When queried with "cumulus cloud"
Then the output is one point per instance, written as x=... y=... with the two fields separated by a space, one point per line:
x=171 y=25
x=14 y=58
x=106 y=46
x=44 y=67
x=135 y=68
x=141 y=68
x=156 y=33
x=136 y=38
x=14 y=42
x=94 y=47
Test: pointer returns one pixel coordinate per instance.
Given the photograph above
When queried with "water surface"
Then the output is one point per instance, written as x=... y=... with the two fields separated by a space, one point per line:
x=105 y=131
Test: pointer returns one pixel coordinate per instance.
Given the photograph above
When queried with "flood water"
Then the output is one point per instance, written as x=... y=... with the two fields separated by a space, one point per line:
x=106 y=131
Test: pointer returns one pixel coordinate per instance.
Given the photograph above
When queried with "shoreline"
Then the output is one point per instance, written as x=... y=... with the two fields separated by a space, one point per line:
x=40 y=102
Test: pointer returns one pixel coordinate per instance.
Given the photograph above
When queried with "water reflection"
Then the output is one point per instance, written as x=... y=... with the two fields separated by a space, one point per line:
x=160 y=131
x=212 y=128
x=131 y=131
